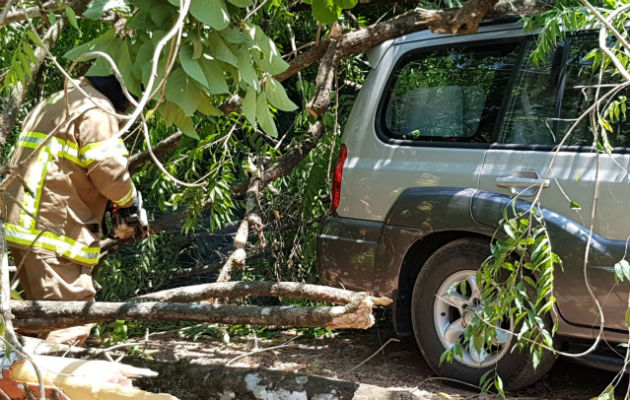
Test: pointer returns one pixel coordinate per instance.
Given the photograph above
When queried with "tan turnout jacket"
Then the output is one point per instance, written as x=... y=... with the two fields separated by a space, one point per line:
x=58 y=201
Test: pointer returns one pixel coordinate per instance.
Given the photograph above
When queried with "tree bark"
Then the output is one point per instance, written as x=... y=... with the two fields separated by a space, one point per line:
x=289 y=160
x=164 y=146
x=31 y=12
x=444 y=21
x=47 y=315
x=219 y=290
x=251 y=220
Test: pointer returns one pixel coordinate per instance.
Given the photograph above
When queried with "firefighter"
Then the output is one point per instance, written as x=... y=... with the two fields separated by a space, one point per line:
x=55 y=206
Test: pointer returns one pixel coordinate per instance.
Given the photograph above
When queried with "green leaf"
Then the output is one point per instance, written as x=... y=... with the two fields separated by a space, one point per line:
x=52 y=18
x=26 y=66
x=30 y=53
x=214 y=76
x=277 y=96
x=263 y=116
x=219 y=50
x=19 y=71
x=173 y=114
x=101 y=43
x=72 y=18
x=575 y=205
x=123 y=61
x=622 y=270
x=232 y=35
x=182 y=91
x=162 y=14
x=508 y=229
x=206 y=107
x=14 y=296
x=272 y=61
x=241 y=3
x=536 y=359
x=190 y=65
x=211 y=12
x=246 y=69
x=96 y=8
x=605 y=124
x=325 y=11
x=498 y=383
x=249 y=106
x=346 y=3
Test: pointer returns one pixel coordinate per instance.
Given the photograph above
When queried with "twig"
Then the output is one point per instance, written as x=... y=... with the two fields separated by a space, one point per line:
x=285 y=344
x=372 y=356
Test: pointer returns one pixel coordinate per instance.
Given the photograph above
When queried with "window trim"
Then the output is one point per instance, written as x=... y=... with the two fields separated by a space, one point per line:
x=381 y=131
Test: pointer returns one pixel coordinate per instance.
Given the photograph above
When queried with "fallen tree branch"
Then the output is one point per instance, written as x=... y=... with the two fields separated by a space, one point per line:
x=46 y=315
x=304 y=60
x=289 y=160
x=356 y=42
x=164 y=146
x=443 y=21
x=31 y=12
x=237 y=259
x=219 y=290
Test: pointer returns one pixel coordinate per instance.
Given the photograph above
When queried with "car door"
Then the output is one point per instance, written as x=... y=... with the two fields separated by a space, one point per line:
x=544 y=101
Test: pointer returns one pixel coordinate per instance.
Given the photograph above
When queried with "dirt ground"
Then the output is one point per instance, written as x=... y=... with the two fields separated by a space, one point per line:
x=399 y=365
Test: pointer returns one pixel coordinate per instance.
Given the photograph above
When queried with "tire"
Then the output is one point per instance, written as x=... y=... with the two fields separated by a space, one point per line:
x=436 y=320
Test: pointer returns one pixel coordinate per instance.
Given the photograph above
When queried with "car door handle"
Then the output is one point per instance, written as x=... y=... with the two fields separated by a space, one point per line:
x=519 y=181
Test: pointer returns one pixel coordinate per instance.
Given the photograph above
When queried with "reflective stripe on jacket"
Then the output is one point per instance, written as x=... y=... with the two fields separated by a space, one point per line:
x=58 y=201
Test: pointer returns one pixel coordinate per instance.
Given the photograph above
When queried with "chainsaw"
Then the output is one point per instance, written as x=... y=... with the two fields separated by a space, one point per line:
x=125 y=222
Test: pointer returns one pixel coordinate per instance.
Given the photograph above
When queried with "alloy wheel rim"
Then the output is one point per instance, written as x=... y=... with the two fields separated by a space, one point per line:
x=455 y=305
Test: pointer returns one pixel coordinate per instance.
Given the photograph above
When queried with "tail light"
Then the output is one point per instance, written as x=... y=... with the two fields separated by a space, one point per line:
x=336 y=183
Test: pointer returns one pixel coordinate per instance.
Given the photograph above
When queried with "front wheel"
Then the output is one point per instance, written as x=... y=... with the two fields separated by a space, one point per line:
x=445 y=300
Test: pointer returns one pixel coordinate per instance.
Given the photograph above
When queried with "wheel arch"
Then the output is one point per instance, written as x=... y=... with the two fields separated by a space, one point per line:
x=413 y=261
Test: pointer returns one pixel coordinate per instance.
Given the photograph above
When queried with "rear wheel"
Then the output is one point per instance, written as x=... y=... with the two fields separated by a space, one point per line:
x=445 y=299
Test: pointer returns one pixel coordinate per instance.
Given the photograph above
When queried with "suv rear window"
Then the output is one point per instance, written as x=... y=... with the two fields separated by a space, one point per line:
x=450 y=94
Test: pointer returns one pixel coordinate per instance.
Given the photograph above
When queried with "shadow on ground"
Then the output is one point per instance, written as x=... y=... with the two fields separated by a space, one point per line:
x=398 y=369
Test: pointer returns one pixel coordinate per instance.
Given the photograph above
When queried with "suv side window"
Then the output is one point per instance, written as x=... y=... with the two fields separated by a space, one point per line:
x=537 y=115
x=529 y=118
x=451 y=94
x=578 y=96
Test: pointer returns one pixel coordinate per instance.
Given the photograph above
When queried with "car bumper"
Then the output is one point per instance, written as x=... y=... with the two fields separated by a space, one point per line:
x=346 y=250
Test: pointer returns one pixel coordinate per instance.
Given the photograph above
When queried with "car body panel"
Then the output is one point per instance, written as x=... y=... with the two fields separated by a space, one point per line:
x=376 y=172
x=569 y=239
x=401 y=198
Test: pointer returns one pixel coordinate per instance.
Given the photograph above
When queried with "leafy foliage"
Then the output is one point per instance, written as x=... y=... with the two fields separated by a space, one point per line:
x=231 y=50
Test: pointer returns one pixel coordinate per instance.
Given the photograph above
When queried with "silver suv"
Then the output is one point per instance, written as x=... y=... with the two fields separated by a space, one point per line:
x=443 y=135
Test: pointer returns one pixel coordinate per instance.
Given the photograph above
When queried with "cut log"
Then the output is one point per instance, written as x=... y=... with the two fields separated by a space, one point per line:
x=285 y=290
x=70 y=378
x=46 y=315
